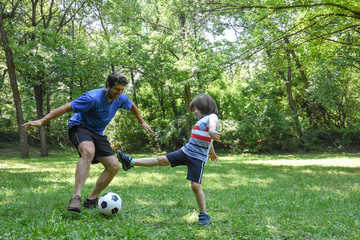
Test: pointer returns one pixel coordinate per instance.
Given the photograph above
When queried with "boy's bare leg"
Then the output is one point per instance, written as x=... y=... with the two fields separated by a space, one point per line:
x=200 y=196
x=152 y=162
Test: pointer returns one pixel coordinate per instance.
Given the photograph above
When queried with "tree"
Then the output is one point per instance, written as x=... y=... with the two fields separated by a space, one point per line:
x=12 y=75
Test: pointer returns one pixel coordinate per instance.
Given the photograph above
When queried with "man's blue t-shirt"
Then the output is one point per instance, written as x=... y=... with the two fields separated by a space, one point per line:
x=94 y=111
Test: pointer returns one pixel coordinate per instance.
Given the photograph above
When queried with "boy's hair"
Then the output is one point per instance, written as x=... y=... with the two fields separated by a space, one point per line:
x=205 y=104
x=116 y=77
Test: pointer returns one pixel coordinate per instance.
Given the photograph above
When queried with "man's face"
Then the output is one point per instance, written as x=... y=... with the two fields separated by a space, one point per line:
x=114 y=92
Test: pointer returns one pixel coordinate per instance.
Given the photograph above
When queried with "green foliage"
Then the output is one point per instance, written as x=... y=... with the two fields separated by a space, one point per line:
x=316 y=140
x=163 y=46
x=172 y=135
x=125 y=133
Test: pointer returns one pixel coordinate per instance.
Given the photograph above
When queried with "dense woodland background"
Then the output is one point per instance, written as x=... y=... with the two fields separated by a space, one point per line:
x=285 y=74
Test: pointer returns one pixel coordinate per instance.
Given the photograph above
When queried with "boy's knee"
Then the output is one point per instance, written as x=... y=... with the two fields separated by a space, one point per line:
x=196 y=187
x=162 y=161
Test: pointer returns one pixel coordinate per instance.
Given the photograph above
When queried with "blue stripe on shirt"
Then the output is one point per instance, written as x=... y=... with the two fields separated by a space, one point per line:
x=198 y=145
x=195 y=152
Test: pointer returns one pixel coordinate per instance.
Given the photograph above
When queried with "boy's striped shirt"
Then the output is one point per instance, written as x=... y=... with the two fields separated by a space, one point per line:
x=199 y=144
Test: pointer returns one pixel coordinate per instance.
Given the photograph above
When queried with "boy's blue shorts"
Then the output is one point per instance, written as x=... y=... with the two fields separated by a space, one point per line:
x=195 y=166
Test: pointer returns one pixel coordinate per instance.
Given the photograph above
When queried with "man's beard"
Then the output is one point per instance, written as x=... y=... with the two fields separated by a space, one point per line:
x=109 y=95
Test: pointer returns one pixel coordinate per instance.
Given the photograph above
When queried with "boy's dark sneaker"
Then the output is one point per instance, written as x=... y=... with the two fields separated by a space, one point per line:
x=75 y=204
x=125 y=160
x=204 y=219
x=90 y=203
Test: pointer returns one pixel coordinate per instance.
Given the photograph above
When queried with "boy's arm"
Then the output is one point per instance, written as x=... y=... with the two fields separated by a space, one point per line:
x=213 y=122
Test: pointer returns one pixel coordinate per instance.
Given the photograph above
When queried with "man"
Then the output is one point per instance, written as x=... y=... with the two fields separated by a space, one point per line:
x=93 y=112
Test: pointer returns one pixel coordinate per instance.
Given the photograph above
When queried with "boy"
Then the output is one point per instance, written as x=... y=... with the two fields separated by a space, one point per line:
x=194 y=154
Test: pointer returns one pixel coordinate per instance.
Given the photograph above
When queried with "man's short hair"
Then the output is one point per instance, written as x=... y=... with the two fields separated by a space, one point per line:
x=116 y=77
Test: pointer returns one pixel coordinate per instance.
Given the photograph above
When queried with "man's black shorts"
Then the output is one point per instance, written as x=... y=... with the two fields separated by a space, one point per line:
x=79 y=133
x=195 y=166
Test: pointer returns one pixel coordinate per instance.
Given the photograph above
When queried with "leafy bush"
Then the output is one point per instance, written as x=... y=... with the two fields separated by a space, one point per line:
x=125 y=133
x=172 y=135
x=263 y=130
x=331 y=140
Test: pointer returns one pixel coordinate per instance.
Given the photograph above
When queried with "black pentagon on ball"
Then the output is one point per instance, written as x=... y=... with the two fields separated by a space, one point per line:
x=114 y=198
x=103 y=204
x=114 y=210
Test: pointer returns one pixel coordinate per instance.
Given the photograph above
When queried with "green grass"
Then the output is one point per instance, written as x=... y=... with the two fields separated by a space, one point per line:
x=248 y=197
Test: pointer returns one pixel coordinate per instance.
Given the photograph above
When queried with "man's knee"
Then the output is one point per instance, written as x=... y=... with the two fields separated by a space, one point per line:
x=87 y=155
x=87 y=150
x=111 y=164
x=115 y=168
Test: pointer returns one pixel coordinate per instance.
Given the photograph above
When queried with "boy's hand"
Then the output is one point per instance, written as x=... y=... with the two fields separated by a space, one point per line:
x=214 y=157
x=215 y=135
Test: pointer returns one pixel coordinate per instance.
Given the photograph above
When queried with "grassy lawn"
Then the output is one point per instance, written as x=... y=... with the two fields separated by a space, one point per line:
x=248 y=197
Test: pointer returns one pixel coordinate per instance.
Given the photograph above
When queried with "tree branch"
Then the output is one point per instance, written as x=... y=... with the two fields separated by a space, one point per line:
x=63 y=22
x=327 y=34
x=235 y=6
x=12 y=13
x=343 y=43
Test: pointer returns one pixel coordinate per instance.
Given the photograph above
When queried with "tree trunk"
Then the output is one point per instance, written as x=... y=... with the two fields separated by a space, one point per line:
x=24 y=153
x=187 y=98
x=287 y=82
x=48 y=109
x=172 y=102
x=133 y=83
x=39 y=97
x=290 y=96
x=305 y=81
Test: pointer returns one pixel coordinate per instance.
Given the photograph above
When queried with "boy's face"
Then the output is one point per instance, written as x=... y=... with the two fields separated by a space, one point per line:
x=197 y=113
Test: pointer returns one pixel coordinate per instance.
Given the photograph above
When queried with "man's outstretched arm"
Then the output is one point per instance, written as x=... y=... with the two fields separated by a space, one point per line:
x=137 y=114
x=53 y=114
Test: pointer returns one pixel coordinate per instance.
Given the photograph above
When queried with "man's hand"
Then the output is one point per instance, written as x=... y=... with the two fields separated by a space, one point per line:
x=146 y=126
x=33 y=123
x=53 y=114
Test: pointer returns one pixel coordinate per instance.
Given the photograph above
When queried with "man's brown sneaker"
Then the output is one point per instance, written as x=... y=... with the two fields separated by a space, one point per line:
x=90 y=203
x=75 y=204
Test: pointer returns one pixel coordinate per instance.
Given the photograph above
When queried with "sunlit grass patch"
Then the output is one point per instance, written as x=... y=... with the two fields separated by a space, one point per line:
x=191 y=217
x=247 y=198
x=336 y=162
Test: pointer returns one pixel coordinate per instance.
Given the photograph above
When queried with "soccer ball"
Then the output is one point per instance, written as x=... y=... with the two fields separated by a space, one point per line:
x=109 y=204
